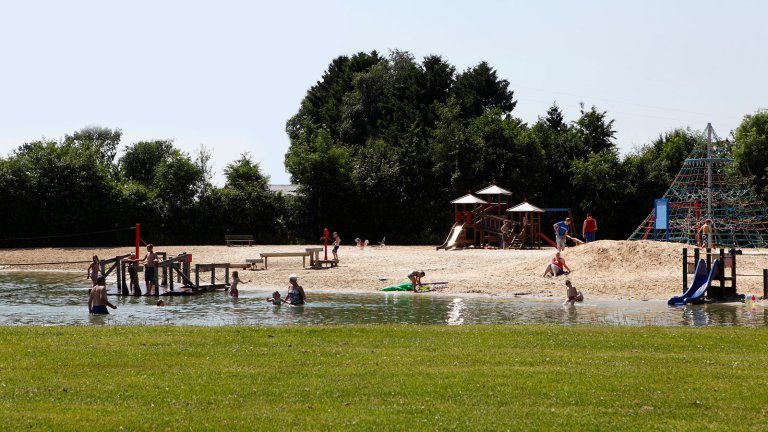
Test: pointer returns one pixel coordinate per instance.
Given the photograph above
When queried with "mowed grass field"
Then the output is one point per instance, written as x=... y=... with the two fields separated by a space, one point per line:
x=383 y=378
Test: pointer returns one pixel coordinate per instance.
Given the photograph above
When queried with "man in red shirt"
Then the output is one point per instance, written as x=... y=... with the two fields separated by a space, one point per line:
x=589 y=228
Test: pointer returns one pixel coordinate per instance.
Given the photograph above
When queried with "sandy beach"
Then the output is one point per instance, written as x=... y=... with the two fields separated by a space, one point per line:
x=636 y=270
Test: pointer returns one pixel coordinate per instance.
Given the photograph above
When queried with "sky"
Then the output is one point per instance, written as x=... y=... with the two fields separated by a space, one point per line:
x=228 y=74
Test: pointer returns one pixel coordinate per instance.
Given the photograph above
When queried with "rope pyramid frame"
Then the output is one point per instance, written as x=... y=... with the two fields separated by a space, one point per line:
x=708 y=187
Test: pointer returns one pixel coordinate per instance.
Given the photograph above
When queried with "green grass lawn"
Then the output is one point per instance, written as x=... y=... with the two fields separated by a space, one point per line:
x=383 y=378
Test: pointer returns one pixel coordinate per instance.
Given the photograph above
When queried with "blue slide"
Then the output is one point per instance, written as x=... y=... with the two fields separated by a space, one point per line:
x=698 y=288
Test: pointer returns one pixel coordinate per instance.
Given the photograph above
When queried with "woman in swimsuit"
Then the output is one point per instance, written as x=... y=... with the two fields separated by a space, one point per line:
x=296 y=296
x=557 y=267
x=93 y=270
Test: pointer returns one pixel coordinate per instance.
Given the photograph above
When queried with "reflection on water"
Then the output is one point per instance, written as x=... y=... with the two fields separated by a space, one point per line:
x=56 y=298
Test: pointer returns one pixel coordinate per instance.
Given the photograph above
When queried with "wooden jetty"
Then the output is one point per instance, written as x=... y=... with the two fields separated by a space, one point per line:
x=173 y=274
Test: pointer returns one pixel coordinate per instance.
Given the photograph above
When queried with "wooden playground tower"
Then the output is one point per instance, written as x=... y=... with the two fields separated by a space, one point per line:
x=479 y=222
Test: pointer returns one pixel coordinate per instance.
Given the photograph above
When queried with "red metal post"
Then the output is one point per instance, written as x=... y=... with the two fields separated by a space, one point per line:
x=325 y=242
x=138 y=239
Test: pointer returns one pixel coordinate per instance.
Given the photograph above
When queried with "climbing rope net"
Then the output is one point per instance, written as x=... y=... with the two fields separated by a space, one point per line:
x=740 y=218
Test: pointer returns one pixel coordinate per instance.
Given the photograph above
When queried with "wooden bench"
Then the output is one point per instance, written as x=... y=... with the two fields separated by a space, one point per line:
x=314 y=256
x=238 y=239
x=331 y=263
x=303 y=255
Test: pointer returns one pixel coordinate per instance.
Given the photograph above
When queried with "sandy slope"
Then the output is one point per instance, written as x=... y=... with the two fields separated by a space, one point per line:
x=608 y=269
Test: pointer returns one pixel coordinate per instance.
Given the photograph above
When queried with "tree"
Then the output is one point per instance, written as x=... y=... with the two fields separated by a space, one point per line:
x=479 y=89
x=141 y=160
x=751 y=149
x=100 y=139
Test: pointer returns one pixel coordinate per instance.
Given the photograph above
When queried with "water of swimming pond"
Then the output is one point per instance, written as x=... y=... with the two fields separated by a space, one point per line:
x=60 y=298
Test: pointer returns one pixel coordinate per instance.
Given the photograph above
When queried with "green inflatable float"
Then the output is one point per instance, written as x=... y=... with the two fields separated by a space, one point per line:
x=405 y=286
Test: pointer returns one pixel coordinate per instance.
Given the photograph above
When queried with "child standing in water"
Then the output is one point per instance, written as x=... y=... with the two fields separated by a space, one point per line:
x=93 y=270
x=233 y=291
x=573 y=295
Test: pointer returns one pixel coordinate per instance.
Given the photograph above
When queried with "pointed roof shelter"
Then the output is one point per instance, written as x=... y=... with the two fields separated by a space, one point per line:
x=469 y=199
x=707 y=188
x=525 y=207
x=493 y=190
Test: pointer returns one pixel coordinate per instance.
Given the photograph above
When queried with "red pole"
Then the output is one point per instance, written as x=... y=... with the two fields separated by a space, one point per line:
x=138 y=239
x=325 y=243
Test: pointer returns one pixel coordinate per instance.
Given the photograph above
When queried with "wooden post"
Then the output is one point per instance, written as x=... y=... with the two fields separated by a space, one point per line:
x=709 y=259
x=696 y=256
x=170 y=276
x=157 y=285
x=765 y=283
x=721 y=270
x=125 y=285
x=197 y=275
x=733 y=270
x=226 y=274
x=685 y=269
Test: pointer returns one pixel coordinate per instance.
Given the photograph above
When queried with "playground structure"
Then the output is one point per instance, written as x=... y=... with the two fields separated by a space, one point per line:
x=479 y=222
x=714 y=276
x=707 y=187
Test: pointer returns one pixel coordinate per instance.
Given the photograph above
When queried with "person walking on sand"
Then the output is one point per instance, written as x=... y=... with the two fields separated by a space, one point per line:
x=704 y=234
x=93 y=270
x=296 y=296
x=557 y=267
x=336 y=244
x=589 y=228
x=150 y=269
x=415 y=278
x=561 y=233
x=97 y=299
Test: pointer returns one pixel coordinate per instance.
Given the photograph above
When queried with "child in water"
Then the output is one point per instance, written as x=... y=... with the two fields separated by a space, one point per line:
x=275 y=299
x=572 y=293
x=233 y=291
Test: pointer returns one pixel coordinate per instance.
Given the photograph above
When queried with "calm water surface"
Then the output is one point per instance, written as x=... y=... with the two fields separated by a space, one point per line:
x=60 y=298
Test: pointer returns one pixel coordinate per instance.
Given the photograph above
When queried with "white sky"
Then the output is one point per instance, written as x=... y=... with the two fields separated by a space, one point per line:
x=228 y=74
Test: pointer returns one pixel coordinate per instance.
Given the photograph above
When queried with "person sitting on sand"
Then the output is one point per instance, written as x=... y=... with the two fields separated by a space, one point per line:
x=93 y=270
x=557 y=267
x=415 y=277
x=97 y=299
x=233 y=291
x=275 y=299
x=296 y=296
x=573 y=295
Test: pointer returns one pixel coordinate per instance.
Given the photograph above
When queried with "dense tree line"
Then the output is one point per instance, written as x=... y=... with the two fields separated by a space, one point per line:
x=52 y=190
x=378 y=147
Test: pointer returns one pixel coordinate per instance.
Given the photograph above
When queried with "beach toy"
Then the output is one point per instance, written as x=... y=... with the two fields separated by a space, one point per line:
x=405 y=286
x=753 y=298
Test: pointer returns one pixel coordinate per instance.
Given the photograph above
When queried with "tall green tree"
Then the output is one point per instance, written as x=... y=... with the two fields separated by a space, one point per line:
x=751 y=149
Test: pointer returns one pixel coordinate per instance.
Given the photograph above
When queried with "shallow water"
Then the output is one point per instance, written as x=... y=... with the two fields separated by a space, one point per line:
x=61 y=298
